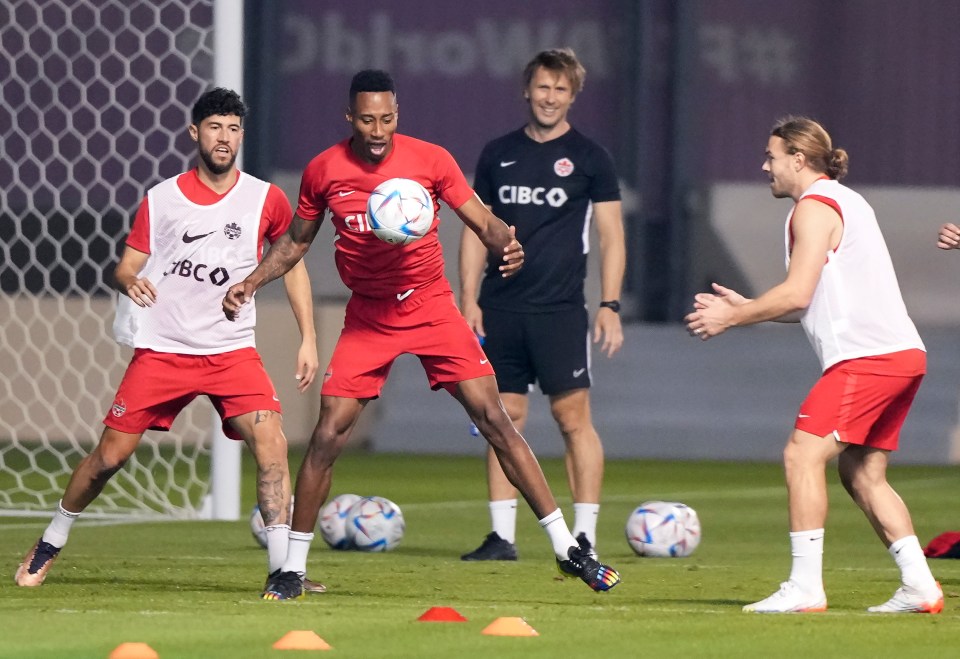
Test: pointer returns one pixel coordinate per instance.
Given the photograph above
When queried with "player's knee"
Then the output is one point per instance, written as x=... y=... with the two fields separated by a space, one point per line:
x=326 y=442
x=574 y=426
x=859 y=483
x=793 y=458
x=106 y=463
x=271 y=444
x=494 y=424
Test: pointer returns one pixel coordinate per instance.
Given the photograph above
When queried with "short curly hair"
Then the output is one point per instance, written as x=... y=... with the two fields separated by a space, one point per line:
x=219 y=101
x=371 y=80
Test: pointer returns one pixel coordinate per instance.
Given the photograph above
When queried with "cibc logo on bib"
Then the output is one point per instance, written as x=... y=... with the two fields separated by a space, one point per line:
x=563 y=167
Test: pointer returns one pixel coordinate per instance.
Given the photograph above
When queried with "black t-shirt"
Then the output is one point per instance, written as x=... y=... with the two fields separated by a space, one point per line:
x=545 y=190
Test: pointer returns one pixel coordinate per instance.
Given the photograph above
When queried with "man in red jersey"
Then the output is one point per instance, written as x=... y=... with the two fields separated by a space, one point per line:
x=841 y=286
x=193 y=234
x=401 y=303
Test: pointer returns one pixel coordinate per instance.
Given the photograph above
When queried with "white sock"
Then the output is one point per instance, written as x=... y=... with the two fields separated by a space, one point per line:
x=278 y=540
x=914 y=571
x=503 y=517
x=59 y=528
x=297 y=552
x=559 y=534
x=585 y=521
x=807 y=551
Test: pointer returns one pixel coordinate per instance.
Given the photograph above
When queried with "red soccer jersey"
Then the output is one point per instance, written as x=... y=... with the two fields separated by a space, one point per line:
x=339 y=181
x=273 y=222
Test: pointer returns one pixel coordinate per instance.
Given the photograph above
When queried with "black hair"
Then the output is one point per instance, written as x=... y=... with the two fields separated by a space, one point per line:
x=371 y=80
x=219 y=101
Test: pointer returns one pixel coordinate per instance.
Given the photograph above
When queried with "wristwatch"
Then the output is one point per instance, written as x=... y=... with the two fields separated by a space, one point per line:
x=612 y=305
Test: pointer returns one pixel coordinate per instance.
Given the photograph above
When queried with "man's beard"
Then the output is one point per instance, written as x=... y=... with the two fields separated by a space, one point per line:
x=207 y=157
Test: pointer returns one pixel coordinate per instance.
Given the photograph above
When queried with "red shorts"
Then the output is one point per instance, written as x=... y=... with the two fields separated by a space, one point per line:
x=864 y=401
x=158 y=385
x=426 y=323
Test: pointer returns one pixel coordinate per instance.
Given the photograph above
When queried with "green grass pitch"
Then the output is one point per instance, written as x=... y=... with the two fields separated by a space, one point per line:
x=190 y=589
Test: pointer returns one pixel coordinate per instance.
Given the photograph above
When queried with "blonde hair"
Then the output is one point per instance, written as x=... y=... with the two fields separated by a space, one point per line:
x=806 y=136
x=558 y=60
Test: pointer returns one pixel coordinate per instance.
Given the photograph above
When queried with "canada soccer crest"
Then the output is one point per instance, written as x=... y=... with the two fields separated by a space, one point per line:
x=119 y=407
x=563 y=167
x=232 y=231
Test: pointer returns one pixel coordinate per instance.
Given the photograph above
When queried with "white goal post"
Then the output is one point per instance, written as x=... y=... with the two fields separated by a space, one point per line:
x=97 y=97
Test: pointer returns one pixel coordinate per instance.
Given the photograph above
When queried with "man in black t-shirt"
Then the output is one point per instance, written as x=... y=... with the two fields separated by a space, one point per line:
x=550 y=182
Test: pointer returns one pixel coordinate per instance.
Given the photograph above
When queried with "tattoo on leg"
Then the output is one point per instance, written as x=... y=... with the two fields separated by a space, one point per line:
x=262 y=416
x=270 y=479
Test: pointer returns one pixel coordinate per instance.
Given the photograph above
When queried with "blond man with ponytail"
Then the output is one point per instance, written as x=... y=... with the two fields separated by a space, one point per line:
x=841 y=287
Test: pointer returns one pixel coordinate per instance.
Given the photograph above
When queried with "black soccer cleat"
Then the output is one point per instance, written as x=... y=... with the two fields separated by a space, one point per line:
x=283 y=586
x=586 y=546
x=494 y=548
x=598 y=576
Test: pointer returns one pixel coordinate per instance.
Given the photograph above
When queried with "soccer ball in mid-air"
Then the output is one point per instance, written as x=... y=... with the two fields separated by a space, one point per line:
x=256 y=524
x=400 y=211
x=663 y=529
x=374 y=524
x=333 y=520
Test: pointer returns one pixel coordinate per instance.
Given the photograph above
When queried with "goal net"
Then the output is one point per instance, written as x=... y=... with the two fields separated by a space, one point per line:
x=96 y=100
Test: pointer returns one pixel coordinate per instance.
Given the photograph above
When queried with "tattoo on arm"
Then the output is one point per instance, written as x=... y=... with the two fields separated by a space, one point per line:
x=289 y=248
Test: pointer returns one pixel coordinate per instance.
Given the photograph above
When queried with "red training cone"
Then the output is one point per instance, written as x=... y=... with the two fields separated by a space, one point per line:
x=441 y=614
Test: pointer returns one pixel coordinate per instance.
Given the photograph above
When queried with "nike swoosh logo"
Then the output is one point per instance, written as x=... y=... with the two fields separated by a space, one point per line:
x=577 y=373
x=187 y=238
x=404 y=296
x=348 y=192
x=803 y=416
x=483 y=361
x=507 y=163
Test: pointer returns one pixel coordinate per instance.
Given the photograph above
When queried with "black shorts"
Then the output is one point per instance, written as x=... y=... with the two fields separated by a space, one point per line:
x=552 y=349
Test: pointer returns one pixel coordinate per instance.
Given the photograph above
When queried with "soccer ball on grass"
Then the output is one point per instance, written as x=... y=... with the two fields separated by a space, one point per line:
x=333 y=520
x=663 y=529
x=374 y=524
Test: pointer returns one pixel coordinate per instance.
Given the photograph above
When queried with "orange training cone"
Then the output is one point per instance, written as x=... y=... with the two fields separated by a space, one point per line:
x=301 y=640
x=134 y=651
x=441 y=614
x=509 y=627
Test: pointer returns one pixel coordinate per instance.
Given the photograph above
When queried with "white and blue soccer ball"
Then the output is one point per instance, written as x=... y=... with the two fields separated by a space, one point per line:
x=374 y=524
x=663 y=529
x=400 y=211
x=257 y=528
x=332 y=522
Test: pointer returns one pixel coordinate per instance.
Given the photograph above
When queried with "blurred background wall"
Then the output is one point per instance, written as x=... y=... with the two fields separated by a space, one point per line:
x=681 y=92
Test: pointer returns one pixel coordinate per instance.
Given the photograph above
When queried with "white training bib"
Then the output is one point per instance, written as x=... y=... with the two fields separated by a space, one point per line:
x=196 y=253
x=857 y=309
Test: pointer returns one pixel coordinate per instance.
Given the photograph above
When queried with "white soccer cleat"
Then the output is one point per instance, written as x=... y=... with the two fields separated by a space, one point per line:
x=789 y=599
x=909 y=600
